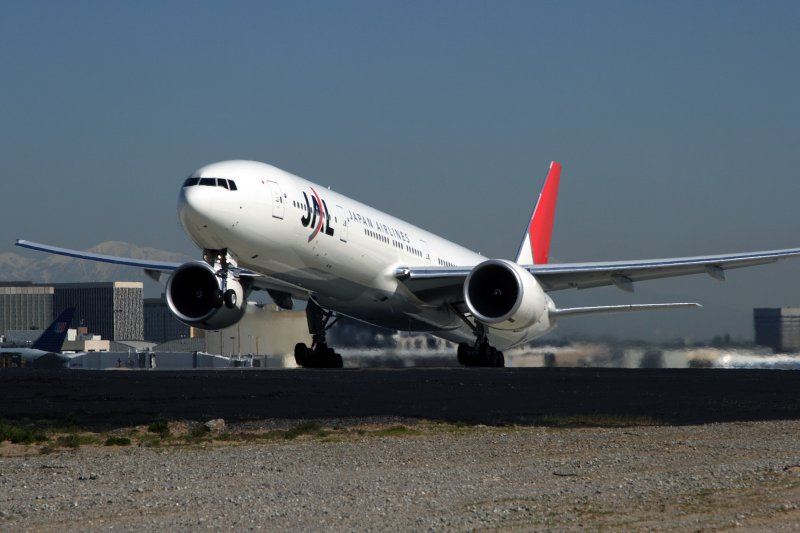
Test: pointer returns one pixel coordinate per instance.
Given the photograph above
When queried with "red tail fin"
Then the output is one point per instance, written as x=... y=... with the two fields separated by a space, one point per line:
x=535 y=247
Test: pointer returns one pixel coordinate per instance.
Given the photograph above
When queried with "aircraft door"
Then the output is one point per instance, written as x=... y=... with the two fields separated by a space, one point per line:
x=278 y=205
x=342 y=223
x=426 y=252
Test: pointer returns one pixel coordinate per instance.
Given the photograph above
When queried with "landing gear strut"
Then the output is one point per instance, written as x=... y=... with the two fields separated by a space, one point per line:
x=320 y=355
x=224 y=295
x=481 y=353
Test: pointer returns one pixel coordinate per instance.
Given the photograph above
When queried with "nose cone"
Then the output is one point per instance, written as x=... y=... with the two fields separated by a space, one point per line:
x=201 y=215
x=192 y=206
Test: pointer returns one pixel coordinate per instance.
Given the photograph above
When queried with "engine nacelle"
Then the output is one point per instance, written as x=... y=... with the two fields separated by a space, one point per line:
x=504 y=295
x=195 y=297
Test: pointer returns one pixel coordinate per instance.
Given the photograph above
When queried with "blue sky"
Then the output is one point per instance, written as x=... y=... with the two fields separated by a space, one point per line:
x=676 y=124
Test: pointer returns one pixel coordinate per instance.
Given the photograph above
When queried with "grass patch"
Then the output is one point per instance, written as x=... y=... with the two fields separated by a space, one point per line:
x=75 y=440
x=118 y=441
x=68 y=441
x=306 y=428
x=149 y=441
x=160 y=426
x=21 y=434
x=273 y=435
x=593 y=421
x=198 y=433
x=394 y=431
x=51 y=438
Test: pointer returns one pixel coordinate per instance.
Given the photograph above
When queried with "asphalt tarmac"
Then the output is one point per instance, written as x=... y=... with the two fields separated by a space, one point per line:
x=109 y=399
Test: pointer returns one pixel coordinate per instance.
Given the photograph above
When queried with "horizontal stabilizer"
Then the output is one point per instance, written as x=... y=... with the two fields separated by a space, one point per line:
x=618 y=309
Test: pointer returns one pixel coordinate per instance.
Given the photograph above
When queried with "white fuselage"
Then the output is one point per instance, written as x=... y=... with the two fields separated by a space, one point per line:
x=28 y=354
x=340 y=252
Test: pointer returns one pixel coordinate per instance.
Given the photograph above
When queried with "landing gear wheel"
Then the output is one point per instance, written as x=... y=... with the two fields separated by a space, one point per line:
x=320 y=356
x=326 y=357
x=464 y=353
x=301 y=354
x=230 y=299
x=483 y=355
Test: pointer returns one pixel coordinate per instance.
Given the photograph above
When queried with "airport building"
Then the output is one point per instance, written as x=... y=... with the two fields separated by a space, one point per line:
x=113 y=310
x=778 y=328
x=25 y=306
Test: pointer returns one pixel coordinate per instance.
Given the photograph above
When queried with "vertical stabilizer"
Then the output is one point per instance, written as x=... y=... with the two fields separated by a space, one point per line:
x=52 y=340
x=535 y=247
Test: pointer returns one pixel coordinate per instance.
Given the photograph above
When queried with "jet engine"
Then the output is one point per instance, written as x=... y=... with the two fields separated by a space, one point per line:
x=504 y=295
x=196 y=297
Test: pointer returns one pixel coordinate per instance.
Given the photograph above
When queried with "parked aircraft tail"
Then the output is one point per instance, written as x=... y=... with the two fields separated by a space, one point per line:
x=535 y=246
x=52 y=340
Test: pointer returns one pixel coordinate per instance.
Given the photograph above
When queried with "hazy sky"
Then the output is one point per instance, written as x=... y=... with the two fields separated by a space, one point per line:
x=676 y=124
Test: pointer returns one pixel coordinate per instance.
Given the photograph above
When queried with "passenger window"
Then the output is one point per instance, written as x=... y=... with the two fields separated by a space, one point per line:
x=190 y=181
x=208 y=181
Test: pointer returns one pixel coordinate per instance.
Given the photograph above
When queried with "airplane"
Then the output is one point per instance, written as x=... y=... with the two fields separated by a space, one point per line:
x=50 y=341
x=262 y=228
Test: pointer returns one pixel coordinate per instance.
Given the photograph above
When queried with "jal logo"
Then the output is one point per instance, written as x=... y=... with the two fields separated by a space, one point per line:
x=317 y=216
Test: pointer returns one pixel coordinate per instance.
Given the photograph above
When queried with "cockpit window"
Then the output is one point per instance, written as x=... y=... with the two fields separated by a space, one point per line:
x=211 y=182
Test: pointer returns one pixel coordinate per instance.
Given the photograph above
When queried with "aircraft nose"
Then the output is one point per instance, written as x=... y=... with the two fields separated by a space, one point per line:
x=201 y=212
x=192 y=205
x=205 y=211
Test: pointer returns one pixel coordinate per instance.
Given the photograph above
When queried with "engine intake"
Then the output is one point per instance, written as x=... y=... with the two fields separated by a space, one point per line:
x=195 y=297
x=504 y=295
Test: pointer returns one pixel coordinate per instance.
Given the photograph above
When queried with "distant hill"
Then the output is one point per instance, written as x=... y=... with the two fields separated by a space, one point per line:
x=60 y=269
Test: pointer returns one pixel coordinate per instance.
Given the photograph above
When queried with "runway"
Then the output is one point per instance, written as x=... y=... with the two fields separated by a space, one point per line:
x=109 y=399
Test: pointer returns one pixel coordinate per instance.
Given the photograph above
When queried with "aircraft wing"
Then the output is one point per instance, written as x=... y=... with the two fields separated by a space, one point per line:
x=154 y=269
x=147 y=264
x=445 y=284
x=623 y=274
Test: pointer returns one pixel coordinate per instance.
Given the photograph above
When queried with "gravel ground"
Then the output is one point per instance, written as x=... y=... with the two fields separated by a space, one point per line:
x=742 y=476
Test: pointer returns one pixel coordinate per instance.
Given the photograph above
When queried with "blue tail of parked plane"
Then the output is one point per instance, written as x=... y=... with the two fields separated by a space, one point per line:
x=52 y=340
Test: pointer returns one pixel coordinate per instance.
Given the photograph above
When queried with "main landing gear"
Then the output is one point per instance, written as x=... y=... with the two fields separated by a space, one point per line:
x=223 y=296
x=320 y=355
x=481 y=353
